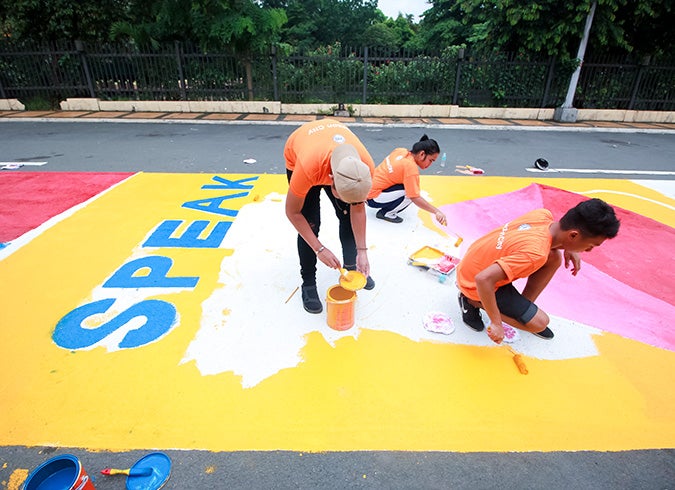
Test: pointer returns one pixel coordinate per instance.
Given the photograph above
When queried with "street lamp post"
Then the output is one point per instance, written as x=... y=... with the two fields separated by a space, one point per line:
x=567 y=112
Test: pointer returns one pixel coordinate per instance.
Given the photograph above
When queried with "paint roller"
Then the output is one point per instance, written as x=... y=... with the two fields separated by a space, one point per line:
x=518 y=359
x=459 y=240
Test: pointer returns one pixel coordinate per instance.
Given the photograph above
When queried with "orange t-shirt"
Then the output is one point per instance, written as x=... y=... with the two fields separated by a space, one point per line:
x=398 y=168
x=520 y=247
x=308 y=151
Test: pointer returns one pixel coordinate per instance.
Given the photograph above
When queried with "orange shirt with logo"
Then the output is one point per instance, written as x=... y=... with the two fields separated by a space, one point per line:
x=520 y=247
x=308 y=151
x=398 y=168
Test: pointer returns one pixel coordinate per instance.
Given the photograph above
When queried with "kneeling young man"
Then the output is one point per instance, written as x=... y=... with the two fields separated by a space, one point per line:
x=532 y=246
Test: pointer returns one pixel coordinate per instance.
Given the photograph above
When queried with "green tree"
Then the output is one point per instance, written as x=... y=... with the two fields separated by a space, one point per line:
x=551 y=27
x=314 y=23
x=46 y=21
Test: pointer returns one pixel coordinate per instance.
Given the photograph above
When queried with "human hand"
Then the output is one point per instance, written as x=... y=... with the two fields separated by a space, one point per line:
x=441 y=218
x=573 y=259
x=496 y=332
x=362 y=264
x=329 y=259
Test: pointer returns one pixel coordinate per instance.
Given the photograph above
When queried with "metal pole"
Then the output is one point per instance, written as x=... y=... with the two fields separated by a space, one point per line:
x=636 y=85
x=458 y=75
x=79 y=46
x=181 y=75
x=275 y=83
x=549 y=81
x=569 y=100
x=365 y=75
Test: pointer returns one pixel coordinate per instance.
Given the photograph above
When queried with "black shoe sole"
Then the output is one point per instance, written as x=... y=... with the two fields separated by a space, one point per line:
x=315 y=312
x=397 y=219
x=547 y=334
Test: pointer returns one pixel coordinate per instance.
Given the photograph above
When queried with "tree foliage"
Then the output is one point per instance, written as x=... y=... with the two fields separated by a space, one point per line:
x=550 y=27
x=546 y=27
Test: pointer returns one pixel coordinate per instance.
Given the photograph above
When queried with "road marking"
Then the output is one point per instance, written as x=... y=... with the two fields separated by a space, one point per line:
x=23 y=163
x=629 y=194
x=602 y=171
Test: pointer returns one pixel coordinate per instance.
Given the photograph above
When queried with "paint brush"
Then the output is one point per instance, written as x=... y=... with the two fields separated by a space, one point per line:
x=294 y=291
x=128 y=471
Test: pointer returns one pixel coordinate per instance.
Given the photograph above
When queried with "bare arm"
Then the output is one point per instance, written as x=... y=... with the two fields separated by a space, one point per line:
x=422 y=203
x=294 y=214
x=486 y=281
x=357 y=215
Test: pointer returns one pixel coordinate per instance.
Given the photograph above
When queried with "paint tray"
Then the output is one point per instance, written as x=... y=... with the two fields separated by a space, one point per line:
x=434 y=261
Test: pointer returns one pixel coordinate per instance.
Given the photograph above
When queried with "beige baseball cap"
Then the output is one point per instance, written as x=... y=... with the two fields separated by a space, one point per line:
x=351 y=176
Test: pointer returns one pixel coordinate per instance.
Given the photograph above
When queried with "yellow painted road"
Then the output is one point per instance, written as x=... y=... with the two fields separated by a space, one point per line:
x=375 y=390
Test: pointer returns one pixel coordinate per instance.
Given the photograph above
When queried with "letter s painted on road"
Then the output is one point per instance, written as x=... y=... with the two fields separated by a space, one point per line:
x=160 y=317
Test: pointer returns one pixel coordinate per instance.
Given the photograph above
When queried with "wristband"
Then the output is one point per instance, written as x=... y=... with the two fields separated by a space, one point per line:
x=321 y=249
x=362 y=248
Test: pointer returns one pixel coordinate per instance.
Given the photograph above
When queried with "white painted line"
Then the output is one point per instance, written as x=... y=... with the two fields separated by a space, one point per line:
x=23 y=163
x=601 y=171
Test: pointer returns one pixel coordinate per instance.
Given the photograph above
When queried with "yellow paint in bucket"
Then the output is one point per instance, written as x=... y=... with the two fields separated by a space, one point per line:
x=340 y=308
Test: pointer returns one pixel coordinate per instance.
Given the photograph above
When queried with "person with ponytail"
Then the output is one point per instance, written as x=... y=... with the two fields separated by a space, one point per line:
x=396 y=181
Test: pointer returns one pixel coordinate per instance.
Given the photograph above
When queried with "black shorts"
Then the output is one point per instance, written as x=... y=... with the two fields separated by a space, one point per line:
x=513 y=304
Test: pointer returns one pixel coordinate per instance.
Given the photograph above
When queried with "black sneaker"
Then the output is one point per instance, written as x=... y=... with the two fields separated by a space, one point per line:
x=470 y=314
x=546 y=334
x=310 y=299
x=380 y=214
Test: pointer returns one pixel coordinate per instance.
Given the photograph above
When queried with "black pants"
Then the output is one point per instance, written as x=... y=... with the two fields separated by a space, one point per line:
x=311 y=210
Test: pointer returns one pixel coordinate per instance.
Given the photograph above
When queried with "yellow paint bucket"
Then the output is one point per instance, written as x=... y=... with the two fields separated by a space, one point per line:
x=340 y=308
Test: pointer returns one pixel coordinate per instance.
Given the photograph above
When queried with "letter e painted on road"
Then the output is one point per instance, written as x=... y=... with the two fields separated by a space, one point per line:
x=161 y=237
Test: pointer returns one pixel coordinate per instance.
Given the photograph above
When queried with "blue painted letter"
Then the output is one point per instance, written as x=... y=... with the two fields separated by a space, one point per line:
x=70 y=334
x=161 y=237
x=230 y=184
x=125 y=276
x=212 y=204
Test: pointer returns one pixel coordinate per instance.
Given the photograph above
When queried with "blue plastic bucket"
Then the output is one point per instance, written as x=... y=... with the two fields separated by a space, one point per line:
x=59 y=473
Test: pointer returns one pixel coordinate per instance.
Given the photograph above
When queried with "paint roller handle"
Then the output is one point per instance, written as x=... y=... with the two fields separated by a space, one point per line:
x=496 y=332
x=128 y=472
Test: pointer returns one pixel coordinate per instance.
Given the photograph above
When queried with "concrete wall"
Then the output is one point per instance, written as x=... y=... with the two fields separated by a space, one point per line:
x=11 y=105
x=357 y=110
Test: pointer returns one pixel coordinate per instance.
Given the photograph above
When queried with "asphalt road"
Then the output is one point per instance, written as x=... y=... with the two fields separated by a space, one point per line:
x=224 y=147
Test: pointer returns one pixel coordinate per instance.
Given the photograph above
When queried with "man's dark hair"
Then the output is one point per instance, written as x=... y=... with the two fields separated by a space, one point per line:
x=592 y=218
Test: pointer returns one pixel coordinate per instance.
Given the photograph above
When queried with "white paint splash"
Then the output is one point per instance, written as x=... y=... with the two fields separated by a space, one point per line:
x=248 y=329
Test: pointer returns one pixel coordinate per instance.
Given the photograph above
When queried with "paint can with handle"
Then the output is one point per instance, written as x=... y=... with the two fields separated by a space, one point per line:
x=340 y=306
x=63 y=472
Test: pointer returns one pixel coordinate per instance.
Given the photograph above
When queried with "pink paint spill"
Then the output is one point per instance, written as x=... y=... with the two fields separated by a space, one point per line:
x=622 y=286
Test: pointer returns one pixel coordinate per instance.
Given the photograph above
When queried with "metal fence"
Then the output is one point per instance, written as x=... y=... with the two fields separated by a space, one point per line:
x=333 y=75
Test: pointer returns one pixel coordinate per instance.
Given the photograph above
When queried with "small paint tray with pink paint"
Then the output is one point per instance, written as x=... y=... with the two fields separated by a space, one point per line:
x=434 y=261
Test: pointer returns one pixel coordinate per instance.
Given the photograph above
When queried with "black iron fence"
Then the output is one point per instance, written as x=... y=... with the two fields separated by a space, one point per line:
x=332 y=75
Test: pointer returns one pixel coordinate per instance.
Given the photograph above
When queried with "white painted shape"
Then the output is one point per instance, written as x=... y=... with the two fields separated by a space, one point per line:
x=261 y=334
x=601 y=171
x=665 y=187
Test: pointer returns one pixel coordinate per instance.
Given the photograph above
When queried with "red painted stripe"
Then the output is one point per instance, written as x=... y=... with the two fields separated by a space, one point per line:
x=28 y=199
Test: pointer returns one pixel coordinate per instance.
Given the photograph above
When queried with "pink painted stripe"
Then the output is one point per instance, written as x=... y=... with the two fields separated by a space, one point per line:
x=621 y=288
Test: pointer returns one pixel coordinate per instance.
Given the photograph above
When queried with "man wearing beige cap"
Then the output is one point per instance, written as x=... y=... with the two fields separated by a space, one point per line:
x=326 y=155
